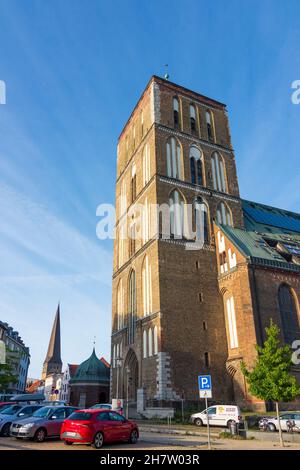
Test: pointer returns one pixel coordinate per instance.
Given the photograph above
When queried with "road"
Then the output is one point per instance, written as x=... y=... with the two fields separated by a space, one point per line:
x=149 y=441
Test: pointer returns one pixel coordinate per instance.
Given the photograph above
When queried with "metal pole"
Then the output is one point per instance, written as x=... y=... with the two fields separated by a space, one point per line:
x=127 y=395
x=208 y=428
x=117 y=381
x=182 y=411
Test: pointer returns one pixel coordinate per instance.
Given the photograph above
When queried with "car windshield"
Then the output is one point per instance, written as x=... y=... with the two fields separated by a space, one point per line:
x=80 y=416
x=43 y=412
x=99 y=405
x=11 y=410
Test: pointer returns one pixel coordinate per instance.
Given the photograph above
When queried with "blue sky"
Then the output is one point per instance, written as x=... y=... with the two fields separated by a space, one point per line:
x=73 y=71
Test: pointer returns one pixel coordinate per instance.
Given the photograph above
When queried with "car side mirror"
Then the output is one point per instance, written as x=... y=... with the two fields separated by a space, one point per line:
x=21 y=414
x=54 y=417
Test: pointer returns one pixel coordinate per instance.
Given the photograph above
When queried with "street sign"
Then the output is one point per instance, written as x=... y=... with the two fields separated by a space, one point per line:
x=205 y=387
x=204 y=384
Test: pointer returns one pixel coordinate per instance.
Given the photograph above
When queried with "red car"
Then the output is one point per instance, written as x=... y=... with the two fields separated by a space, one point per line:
x=98 y=426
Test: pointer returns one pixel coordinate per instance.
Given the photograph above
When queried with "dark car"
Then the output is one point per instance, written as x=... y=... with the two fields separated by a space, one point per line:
x=96 y=427
x=46 y=422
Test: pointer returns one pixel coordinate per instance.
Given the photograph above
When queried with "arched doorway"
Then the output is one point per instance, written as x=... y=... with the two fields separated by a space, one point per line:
x=130 y=377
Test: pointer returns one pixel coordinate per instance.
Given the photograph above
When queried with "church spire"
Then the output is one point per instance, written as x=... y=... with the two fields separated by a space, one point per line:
x=53 y=362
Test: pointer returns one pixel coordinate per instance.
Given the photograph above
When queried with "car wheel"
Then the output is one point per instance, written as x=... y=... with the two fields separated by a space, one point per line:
x=134 y=437
x=98 y=440
x=271 y=427
x=6 y=429
x=40 y=435
x=68 y=443
x=198 y=422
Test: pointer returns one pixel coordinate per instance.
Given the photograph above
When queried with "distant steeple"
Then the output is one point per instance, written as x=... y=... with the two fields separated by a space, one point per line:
x=53 y=362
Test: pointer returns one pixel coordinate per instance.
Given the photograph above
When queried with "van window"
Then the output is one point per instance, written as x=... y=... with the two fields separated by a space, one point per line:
x=212 y=411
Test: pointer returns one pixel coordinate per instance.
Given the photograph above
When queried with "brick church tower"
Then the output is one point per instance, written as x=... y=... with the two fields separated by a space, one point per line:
x=168 y=321
x=53 y=363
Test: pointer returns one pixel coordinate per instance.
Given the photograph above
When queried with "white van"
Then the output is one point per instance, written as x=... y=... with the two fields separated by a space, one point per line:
x=219 y=415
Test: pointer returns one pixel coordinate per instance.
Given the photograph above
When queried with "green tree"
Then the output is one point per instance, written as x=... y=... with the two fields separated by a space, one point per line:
x=7 y=373
x=271 y=378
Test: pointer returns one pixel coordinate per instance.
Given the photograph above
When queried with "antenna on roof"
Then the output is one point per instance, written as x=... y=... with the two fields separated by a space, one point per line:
x=166 y=72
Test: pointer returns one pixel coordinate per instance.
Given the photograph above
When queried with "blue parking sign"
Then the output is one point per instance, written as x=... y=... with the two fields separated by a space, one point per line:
x=204 y=382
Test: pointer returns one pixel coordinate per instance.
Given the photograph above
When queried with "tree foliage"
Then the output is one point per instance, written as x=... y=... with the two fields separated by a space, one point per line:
x=271 y=378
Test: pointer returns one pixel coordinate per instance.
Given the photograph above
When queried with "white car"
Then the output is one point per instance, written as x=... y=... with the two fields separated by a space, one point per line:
x=218 y=415
x=288 y=416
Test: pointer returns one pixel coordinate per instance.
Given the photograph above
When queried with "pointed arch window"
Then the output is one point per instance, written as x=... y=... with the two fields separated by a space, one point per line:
x=231 y=319
x=176 y=204
x=132 y=308
x=133 y=184
x=218 y=172
x=120 y=305
x=147 y=287
x=145 y=344
x=201 y=219
x=146 y=164
x=196 y=165
x=223 y=214
x=288 y=314
x=209 y=125
x=155 y=340
x=193 y=119
x=150 y=345
x=173 y=158
x=176 y=112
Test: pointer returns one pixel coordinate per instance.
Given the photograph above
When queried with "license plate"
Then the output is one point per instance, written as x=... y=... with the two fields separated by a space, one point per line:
x=70 y=434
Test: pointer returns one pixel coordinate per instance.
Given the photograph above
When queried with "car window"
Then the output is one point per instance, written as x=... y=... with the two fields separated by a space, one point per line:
x=80 y=416
x=287 y=416
x=116 y=417
x=11 y=410
x=70 y=411
x=60 y=413
x=212 y=411
x=43 y=412
x=297 y=416
x=103 y=416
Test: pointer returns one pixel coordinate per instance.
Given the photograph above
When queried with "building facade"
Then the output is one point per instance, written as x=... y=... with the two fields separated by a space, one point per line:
x=168 y=318
x=68 y=374
x=90 y=383
x=18 y=354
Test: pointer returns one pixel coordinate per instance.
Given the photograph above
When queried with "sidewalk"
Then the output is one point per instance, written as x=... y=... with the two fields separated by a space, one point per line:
x=190 y=430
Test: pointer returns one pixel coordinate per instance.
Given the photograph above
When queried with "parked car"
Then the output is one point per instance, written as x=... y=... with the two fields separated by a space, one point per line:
x=108 y=406
x=98 y=426
x=272 y=422
x=15 y=412
x=6 y=404
x=45 y=422
x=219 y=415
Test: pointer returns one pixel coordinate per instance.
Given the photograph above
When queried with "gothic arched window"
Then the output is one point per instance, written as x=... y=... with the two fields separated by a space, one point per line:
x=176 y=204
x=196 y=165
x=146 y=286
x=288 y=314
x=132 y=307
x=193 y=119
x=209 y=125
x=218 y=172
x=223 y=214
x=173 y=158
x=176 y=112
x=201 y=218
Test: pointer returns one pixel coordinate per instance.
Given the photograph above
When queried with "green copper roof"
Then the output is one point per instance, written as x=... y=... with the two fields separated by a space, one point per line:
x=265 y=226
x=92 y=370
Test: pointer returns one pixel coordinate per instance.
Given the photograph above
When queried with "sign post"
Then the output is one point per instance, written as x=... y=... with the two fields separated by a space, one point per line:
x=205 y=391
